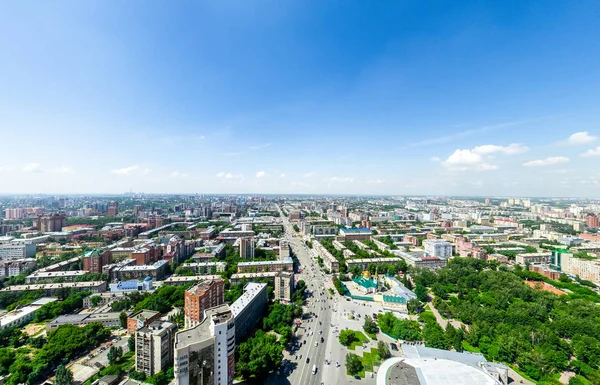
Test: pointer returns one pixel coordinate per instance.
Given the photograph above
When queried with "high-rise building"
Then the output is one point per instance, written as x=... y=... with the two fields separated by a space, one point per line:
x=198 y=298
x=437 y=248
x=94 y=260
x=16 y=213
x=51 y=222
x=154 y=347
x=592 y=221
x=113 y=209
x=284 y=286
x=247 y=248
x=249 y=308
x=205 y=354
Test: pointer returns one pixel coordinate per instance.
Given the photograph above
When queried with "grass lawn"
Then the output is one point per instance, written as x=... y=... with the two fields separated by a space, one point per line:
x=369 y=360
x=469 y=348
x=361 y=340
x=372 y=336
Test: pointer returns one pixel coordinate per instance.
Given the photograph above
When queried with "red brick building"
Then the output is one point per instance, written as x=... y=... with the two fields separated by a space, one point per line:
x=200 y=297
x=94 y=260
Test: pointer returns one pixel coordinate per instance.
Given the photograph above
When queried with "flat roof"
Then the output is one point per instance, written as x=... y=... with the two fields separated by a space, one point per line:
x=48 y=286
x=251 y=291
x=428 y=371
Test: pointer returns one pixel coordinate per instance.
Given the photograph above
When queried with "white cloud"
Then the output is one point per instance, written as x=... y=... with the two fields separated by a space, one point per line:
x=125 y=170
x=592 y=152
x=177 y=174
x=308 y=174
x=201 y=137
x=582 y=137
x=146 y=171
x=511 y=149
x=435 y=159
x=336 y=179
x=282 y=175
x=32 y=167
x=260 y=146
x=229 y=176
x=478 y=158
x=546 y=162
x=376 y=181
x=62 y=170
x=261 y=174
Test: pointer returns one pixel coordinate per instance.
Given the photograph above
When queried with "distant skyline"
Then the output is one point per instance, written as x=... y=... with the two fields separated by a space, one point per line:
x=301 y=97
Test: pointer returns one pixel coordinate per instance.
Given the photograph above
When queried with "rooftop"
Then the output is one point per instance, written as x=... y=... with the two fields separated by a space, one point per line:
x=251 y=291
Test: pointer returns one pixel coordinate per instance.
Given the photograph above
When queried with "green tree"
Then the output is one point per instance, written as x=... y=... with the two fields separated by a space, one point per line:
x=354 y=364
x=114 y=355
x=95 y=300
x=414 y=306
x=421 y=292
x=347 y=337
x=370 y=326
x=123 y=319
x=63 y=376
x=258 y=356
x=383 y=350
x=131 y=343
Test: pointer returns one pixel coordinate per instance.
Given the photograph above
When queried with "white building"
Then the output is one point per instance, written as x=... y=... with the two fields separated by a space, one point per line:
x=205 y=354
x=16 y=251
x=23 y=315
x=438 y=248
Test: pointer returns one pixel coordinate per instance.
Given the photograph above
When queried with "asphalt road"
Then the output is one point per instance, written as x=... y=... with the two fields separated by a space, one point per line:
x=301 y=372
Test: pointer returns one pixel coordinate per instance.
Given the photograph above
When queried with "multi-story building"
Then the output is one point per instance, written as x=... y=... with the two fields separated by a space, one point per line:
x=108 y=320
x=247 y=248
x=12 y=267
x=50 y=223
x=49 y=276
x=154 y=347
x=198 y=298
x=525 y=258
x=17 y=251
x=352 y=234
x=249 y=308
x=113 y=209
x=205 y=354
x=364 y=263
x=241 y=277
x=203 y=268
x=15 y=213
x=141 y=319
x=592 y=221
x=23 y=315
x=437 y=248
x=284 y=286
x=330 y=262
x=287 y=264
x=95 y=260
x=157 y=271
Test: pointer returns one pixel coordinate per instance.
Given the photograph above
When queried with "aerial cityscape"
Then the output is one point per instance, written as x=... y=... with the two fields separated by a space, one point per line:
x=299 y=192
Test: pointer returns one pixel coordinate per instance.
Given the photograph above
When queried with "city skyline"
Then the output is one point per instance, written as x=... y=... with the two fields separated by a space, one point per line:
x=300 y=98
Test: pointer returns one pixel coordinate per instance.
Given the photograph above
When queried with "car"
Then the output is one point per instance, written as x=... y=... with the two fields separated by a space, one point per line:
x=337 y=364
x=393 y=346
x=374 y=315
x=316 y=343
x=307 y=360
x=90 y=355
x=322 y=340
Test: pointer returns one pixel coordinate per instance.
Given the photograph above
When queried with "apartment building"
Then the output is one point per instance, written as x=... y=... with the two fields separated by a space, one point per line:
x=17 y=251
x=205 y=354
x=67 y=276
x=525 y=258
x=141 y=319
x=365 y=262
x=352 y=234
x=95 y=260
x=202 y=296
x=154 y=347
x=330 y=262
x=206 y=267
x=247 y=248
x=284 y=286
x=50 y=222
x=287 y=264
x=249 y=308
x=50 y=288
x=437 y=248
x=9 y=268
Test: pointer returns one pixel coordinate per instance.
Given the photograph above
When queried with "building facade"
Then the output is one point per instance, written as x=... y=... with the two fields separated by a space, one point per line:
x=202 y=296
x=205 y=354
x=247 y=248
x=249 y=308
x=284 y=286
x=438 y=248
x=154 y=347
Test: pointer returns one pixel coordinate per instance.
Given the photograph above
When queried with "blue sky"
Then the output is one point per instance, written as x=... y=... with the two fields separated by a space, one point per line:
x=408 y=97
